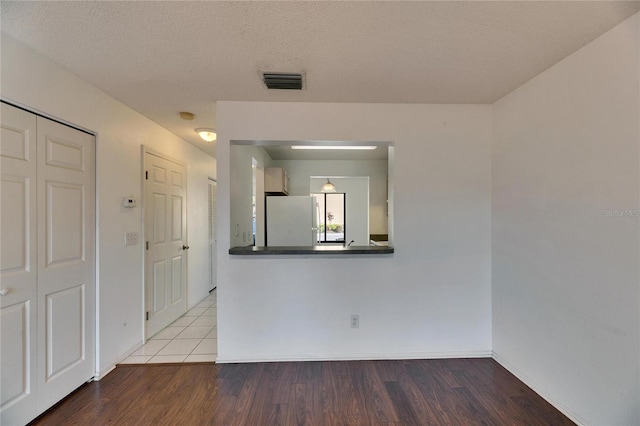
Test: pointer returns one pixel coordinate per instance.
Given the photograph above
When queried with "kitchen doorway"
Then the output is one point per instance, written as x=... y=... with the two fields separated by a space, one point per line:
x=332 y=218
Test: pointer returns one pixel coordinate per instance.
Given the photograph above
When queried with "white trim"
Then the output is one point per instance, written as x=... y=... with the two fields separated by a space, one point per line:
x=147 y=150
x=101 y=374
x=96 y=264
x=544 y=394
x=45 y=115
x=354 y=357
x=110 y=368
x=143 y=264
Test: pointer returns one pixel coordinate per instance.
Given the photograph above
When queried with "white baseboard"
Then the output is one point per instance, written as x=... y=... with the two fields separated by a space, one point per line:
x=352 y=356
x=539 y=390
x=102 y=373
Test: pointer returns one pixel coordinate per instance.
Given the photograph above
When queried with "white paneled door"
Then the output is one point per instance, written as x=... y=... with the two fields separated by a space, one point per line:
x=47 y=263
x=66 y=258
x=166 y=242
x=18 y=266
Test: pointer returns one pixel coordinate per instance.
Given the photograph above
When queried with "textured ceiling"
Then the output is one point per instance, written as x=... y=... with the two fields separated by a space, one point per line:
x=162 y=57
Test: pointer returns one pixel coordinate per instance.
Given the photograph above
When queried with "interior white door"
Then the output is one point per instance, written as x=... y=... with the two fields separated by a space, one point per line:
x=18 y=266
x=213 y=190
x=66 y=260
x=166 y=242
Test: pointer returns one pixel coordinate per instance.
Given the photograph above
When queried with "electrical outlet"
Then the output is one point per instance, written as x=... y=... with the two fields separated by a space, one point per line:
x=129 y=202
x=130 y=238
x=355 y=321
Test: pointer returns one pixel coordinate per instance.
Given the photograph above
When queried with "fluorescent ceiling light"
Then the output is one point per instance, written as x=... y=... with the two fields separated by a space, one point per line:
x=363 y=147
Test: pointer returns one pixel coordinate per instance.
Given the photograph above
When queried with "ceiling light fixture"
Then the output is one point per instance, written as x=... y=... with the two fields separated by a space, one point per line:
x=209 y=135
x=328 y=187
x=362 y=147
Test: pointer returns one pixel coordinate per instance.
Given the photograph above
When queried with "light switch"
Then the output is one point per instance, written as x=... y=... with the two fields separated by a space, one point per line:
x=130 y=238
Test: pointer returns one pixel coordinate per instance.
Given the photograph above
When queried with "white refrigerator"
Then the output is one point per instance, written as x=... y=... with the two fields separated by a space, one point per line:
x=292 y=221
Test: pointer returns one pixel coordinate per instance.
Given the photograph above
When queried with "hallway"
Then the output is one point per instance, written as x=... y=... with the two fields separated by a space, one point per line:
x=190 y=338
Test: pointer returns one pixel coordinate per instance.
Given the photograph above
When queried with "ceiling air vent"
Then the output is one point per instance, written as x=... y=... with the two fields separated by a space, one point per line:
x=283 y=80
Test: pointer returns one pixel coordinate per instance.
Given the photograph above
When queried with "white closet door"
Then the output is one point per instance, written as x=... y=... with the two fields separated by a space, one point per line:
x=18 y=269
x=66 y=260
x=166 y=236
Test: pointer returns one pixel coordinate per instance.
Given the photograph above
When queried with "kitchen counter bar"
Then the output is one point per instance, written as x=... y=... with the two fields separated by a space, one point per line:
x=319 y=250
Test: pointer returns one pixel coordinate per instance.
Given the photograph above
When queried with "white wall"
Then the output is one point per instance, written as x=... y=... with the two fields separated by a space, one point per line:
x=35 y=82
x=376 y=171
x=431 y=298
x=565 y=273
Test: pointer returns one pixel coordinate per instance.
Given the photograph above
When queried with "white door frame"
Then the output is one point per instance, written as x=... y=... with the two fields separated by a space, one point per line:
x=147 y=150
x=213 y=262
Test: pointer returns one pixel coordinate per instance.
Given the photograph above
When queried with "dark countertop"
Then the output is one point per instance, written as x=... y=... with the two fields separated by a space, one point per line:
x=251 y=250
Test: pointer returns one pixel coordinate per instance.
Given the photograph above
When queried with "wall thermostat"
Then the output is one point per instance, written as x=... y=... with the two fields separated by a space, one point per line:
x=129 y=202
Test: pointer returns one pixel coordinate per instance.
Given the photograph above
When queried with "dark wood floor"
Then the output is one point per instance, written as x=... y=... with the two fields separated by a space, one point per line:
x=412 y=392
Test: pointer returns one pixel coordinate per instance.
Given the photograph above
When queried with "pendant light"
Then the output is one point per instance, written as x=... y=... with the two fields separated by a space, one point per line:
x=328 y=187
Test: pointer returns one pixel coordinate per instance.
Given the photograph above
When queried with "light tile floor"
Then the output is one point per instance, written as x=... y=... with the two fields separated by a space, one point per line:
x=191 y=338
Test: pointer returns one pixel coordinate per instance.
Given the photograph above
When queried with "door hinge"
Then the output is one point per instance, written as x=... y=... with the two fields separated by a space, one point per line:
x=146 y=175
x=147 y=245
x=147 y=315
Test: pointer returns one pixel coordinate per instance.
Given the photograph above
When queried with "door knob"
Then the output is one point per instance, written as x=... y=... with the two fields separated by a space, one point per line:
x=185 y=247
x=4 y=292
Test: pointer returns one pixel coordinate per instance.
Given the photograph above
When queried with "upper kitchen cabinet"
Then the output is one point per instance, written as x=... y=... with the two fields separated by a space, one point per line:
x=276 y=181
